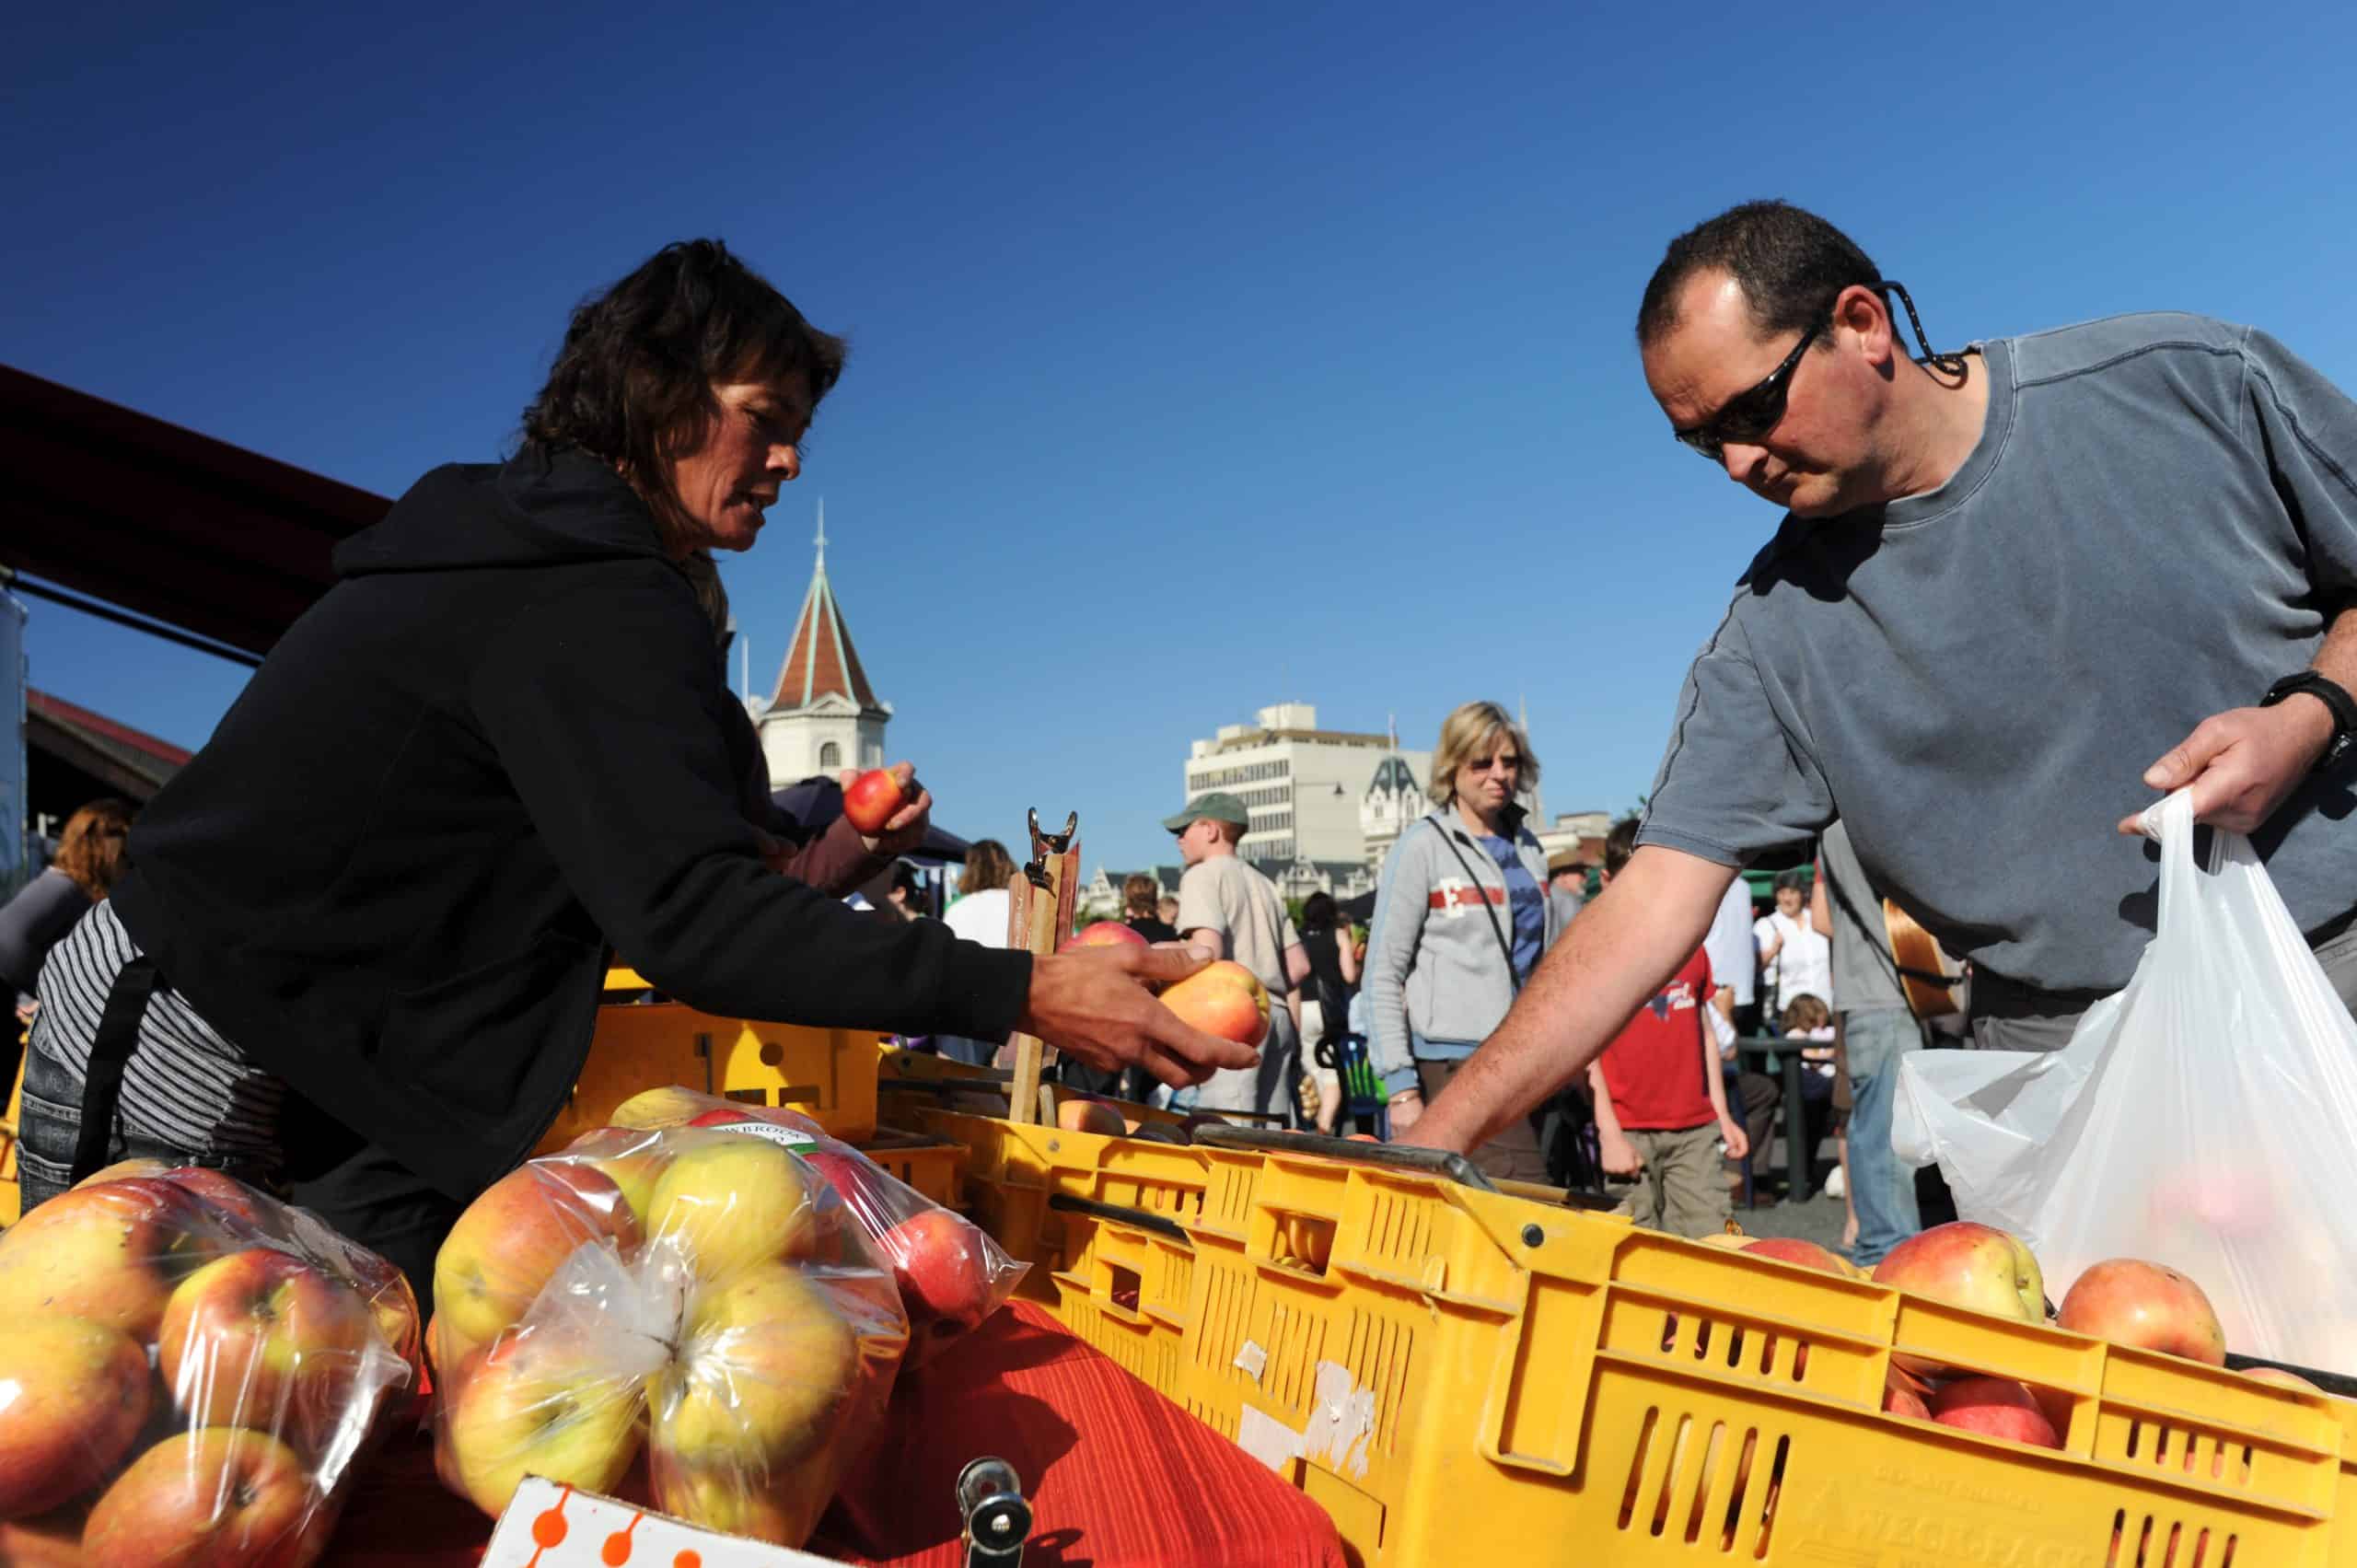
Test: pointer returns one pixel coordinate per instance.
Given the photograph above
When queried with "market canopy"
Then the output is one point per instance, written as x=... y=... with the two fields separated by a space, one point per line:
x=144 y=516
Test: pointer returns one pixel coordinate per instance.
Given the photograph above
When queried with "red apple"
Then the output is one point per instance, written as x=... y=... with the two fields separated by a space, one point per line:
x=1104 y=933
x=1899 y=1400
x=110 y=1253
x=513 y=1237
x=942 y=1269
x=2142 y=1305
x=72 y=1395
x=143 y=1165
x=872 y=798
x=253 y=1211
x=2280 y=1377
x=47 y=1540
x=1997 y=1406
x=1222 y=998
x=1792 y=1249
x=262 y=1339
x=217 y=1495
x=1974 y=1266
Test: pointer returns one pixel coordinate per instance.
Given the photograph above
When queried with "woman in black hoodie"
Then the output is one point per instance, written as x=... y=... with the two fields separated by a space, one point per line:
x=358 y=952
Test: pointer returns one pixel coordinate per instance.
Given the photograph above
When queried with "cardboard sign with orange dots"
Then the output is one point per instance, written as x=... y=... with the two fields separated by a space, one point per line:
x=551 y=1526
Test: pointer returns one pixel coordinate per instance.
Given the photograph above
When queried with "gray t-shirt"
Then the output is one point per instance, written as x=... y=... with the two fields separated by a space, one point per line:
x=1865 y=975
x=1224 y=895
x=2155 y=525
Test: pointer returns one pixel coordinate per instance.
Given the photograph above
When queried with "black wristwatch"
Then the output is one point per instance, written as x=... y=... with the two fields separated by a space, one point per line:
x=2332 y=695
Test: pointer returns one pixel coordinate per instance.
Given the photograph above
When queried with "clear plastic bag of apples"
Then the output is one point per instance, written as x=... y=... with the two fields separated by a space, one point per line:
x=709 y=1318
x=190 y=1371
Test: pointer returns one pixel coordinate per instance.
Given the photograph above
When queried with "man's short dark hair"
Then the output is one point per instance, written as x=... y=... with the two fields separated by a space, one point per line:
x=1790 y=264
x=1619 y=845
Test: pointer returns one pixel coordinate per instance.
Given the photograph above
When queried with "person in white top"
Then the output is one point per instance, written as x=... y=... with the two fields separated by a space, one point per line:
x=1795 y=958
x=978 y=915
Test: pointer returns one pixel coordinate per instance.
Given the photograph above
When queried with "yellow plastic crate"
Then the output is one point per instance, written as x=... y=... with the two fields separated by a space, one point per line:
x=1466 y=1376
x=928 y=1165
x=829 y=1074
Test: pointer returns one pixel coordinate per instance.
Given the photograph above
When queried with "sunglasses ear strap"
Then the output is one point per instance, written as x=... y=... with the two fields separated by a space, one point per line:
x=1951 y=363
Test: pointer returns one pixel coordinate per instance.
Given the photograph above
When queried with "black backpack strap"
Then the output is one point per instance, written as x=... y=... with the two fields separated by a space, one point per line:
x=1489 y=908
x=102 y=1080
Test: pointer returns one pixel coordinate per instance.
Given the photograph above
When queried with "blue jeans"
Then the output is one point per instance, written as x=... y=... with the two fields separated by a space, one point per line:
x=1882 y=1187
x=49 y=1125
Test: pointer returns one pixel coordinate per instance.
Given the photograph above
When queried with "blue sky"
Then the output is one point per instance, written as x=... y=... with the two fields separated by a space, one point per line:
x=1202 y=357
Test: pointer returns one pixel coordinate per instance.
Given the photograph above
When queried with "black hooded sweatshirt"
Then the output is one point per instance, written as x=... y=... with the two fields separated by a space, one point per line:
x=502 y=740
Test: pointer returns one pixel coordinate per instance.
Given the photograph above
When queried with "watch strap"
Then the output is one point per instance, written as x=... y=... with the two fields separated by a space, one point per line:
x=2334 y=696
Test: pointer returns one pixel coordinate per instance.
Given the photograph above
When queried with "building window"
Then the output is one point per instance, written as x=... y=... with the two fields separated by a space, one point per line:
x=831 y=755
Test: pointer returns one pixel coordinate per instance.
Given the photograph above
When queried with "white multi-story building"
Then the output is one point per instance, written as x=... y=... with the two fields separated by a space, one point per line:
x=1303 y=785
x=824 y=715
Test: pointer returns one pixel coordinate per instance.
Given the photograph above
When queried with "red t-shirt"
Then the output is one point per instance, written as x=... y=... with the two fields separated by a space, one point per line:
x=1654 y=1068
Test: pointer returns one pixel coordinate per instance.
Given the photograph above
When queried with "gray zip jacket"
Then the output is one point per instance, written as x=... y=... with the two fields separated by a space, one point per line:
x=1434 y=965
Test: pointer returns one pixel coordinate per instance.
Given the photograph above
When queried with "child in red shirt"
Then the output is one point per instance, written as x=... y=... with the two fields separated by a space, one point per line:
x=1661 y=1099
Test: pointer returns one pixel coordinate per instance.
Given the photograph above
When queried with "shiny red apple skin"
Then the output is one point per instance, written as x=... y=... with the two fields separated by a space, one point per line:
x=942 y=1269
x=2146 y=1306
x=872 y=799
x=1999 y=1407
x=1103 y=934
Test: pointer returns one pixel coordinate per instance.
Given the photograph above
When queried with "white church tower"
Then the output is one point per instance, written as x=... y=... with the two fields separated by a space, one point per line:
x=823 y=715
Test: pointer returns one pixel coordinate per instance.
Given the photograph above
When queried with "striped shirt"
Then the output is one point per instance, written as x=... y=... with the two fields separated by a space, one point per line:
x=183 y=1085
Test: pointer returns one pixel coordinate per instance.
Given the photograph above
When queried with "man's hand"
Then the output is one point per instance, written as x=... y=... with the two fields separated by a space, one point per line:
x=1619 y=1155
x=1407 y=1108
x=2243 y=762
x=905 y=831
x=1738 y=1140
x=1094 y=1003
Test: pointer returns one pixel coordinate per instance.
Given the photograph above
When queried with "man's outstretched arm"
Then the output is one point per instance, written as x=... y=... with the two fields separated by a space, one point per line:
x=1623 y=948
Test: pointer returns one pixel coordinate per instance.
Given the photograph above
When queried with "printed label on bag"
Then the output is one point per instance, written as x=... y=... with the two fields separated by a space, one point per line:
x=792 y=1138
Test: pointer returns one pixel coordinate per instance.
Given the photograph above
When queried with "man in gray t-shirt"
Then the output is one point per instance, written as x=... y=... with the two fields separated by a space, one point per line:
x=1227 y=906
x=2007 y=581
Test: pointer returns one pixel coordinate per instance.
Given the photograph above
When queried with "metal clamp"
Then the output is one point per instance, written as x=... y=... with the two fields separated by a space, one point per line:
x=997 y=1519
x=1045 y=844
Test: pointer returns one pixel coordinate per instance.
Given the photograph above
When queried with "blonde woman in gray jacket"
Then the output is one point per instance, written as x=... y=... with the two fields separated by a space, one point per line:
x=1461 y=916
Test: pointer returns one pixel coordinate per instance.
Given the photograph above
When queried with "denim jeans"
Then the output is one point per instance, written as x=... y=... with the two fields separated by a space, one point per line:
x=1882 y=1186
x=49 y=1125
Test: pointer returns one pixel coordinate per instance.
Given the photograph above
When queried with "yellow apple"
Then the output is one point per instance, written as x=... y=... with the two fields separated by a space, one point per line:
x=765 y=1361
x=669 y=1106
x=730 y=1202
x=539 y=1403
x=631 y=1159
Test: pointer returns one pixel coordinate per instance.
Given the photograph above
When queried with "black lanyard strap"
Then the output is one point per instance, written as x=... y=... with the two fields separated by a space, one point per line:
x=102 y=1080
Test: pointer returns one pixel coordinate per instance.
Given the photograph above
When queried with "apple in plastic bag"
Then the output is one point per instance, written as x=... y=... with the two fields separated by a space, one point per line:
x=216 y=1495
x=74 y=1395
x=2146 y=1306
x=264 y=1339
x=1793 y=1250
x=942 y=1269
x=512 y=1238
x=110 y=1253
x=631 y=1158
x=538 y=1402
x=742 y=1421
x=731 y=1203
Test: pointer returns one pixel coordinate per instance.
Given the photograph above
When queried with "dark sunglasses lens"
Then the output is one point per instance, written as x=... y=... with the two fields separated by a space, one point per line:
x=1752 y=416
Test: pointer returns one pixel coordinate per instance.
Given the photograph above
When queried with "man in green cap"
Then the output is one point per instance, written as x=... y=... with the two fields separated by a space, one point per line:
x=1232 y=912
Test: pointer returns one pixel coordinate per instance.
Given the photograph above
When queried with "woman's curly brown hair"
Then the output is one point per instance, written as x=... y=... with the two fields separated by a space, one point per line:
x=91 y=850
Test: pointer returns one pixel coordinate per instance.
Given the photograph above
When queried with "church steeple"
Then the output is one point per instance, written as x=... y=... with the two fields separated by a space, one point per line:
x=820 y=661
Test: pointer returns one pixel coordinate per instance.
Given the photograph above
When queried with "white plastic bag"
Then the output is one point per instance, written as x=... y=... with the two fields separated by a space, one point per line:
x=2204 y=1117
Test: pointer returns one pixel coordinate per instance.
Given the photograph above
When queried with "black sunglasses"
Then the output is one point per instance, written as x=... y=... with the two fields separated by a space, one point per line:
x=1750 y=414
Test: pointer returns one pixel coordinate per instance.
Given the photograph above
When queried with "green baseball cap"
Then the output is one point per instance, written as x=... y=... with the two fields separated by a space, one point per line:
x=1218 y=807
